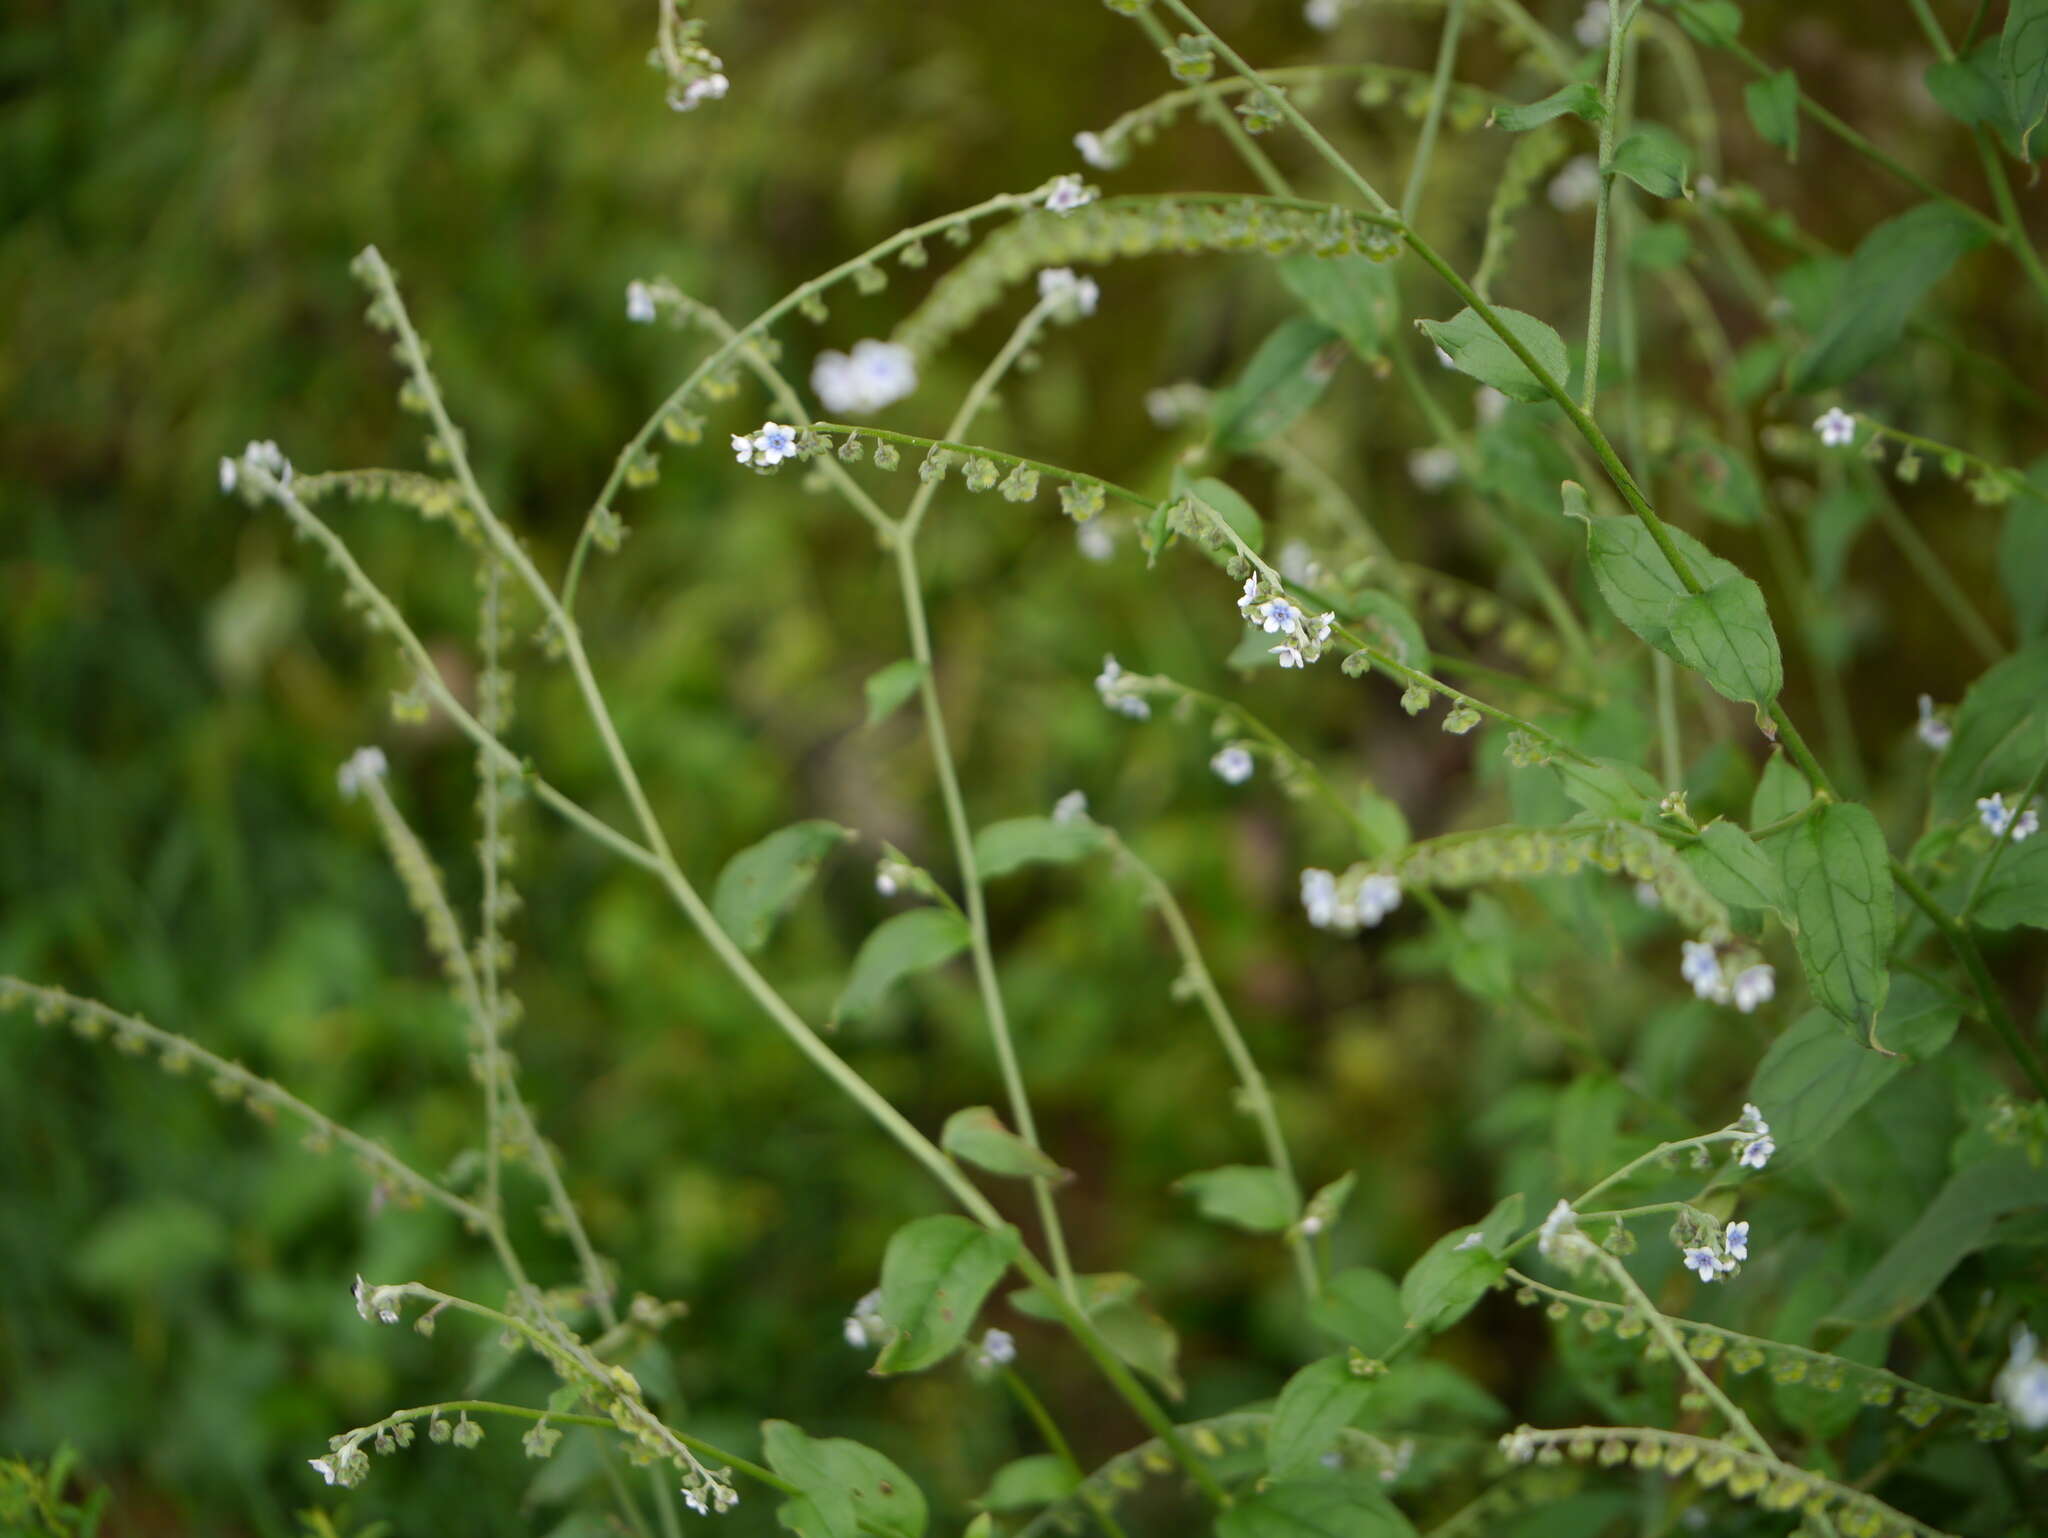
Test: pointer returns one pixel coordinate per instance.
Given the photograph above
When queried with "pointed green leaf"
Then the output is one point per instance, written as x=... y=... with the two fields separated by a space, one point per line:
x=1781 y=790
x=1362 y=1307
x=1817 y=1075
x=759 y=884
x=1773 y=104
x=1317 y=1403
x=887 y=688
x=913 y=941
x=1229 y=504
x=1580 y=99
x=1249 y=1196
x=1475 y=349
x=1731 y=866
x=978 y=1135
x=1837 y=876
x=1003 y=847
x=2001 y=733
x=844 y=1489
x=1352 y=295
x=2016 y=892
x=1114 y=1302
x=1038 y=1480
x=1957 y=1223
x=1283 y=379
x=1654 y=158
x=936 y=1273
x=1892 y=270
x=2023 y=67
x=1451 y=1277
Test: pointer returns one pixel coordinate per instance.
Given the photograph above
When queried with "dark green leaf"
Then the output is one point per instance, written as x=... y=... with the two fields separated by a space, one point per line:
x=2023 y=554
x=2023 y=67
x=1817 y=1075
x=936 y=1273
x=1352 y=295
x=1475 y=349
x=978 y=1135
x=1731 y=866
x=1781 y=790
x=1363 y=1308
x=2017 y=891
x=1893 y=268
x=1838 y=879
x=914 y=941
x=1339 y=1506
x=2001 y=733
x=844 y=1488
x=1003 y=847
x=1654 y=158
x=1251 y=1196
x=1580 y=99
x=1773 y=104
x=887 y=688
x=1610 y=788
x=1283 y=379
x=1038 y=1480
x=1451 y=1277
x=1317 y=1403
x=759 y=883
x=1958 y=1223
x=1114 y=1302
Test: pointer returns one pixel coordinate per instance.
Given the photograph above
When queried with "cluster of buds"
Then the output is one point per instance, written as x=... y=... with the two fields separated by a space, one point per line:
x=1122 y=692
x=1356 y=900
x=1710 y=1250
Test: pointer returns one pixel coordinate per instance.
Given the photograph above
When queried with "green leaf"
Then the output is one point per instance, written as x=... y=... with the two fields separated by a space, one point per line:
x=759 y=884
x=2023 y=67
x=1654 y=158
x=1455 y=1272
x=1230 y=505
x=1283 y=379
x=1352 y=295
x=913 y=941
x=2023 y=554
x=2017 y=891
x=1781 y=790
x=1660 y=247
x=1038 y=1480
x=887 y=688
x=1315 y=1406
x=1474 y=349
x=844 y=1488
x=978 y=1135
x=1327 y=1205
x=1716 y=23
x=1957 y=1223
x=1837 y=876
x=1362 y=1307
x=1817 y=1075
x=2001 y=733
x=1723 y=483
x=1389 y=624
x=936 y=1273
x=1731 y=866
x=1003 y=847
x=1250 y=1196
x=1580 y=99
x=1114 y=1302
x=1773 y=104
x=1343 y=1506
x=1892 y=270
x=1610 y=788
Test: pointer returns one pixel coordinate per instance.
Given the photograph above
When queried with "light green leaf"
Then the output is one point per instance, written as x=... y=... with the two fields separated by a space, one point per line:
x=1893 y=268
x=1362 y=1307
x=913 y=941
x=978 y=1135
x=1781 y=790
x=1327 y=1205
x=1715 y=23
x=983 y=1526
x=1317 y=1404
x=1609 y=788
x=1773 y=104
x=1114 y=1302
x=1038 y=1480
x=1731 y=866
x=1352 y=295
x=1654 y=158
x=936 y=1273
x=1723 y=483
x=1474 y=349
x=1580 y=99
x=1452 y=1276
x=1249 y=1196
x=1389 y=624
x=1339 y=1506
x=1837 y=876
x=759 y=884
x=1817 y=1075
x=844 y=1488
x=2017 y=891
x=2023 y=67
x=1958 y=1223
x=1230 y=505
x=1283 y=379
x=1660 y=247
x=1003 y=847
x=2001 y=733
x=887 y=688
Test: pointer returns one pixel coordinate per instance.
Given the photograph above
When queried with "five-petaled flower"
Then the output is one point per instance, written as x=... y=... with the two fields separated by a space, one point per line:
x=1836 y=427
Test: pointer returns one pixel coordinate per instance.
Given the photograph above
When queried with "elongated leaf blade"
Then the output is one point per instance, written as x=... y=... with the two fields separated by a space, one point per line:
x=759 y=884
x=915 y=941
x=936 y=1273
x=1838 y=879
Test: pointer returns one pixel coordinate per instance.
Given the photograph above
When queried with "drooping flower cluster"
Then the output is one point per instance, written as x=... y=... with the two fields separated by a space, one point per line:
x=1836 y=427
x=874 y=375
x=1755 y=1136
x=356 y=772
x=262 y=455
x=1932 y=730
x=1076 y=295
x=1727 y=981
x=1233 y=764
x=1120 y=692
x=1711 y=1257
x=1349 y=902
x=1302 y=635
x=1997 y=817
x=767 y=448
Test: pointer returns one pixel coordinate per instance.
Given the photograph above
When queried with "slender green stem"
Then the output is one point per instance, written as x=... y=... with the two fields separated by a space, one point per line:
x=1618 y=15
x=1217 y=111
x=1965 y=946
x=1049 y=1429
x=1432 y=120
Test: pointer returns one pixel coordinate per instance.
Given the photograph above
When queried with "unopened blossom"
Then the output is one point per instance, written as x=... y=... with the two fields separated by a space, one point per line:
x=2022 y=1384
x=1591 y=27
x=1997 y=817
x=639 y=303
x=361 y=767
x=1290 y=655
x=1704 y=1263
x=1060 y=283
x=892 y=876
x=327 y=1468
x=1094 y=150
x=1753 y=986
x=1233 y=765
x=1559 y=1240
x=1319 y=897
x=1836 y=427
x=704 y=88
x=1072 y=807
x=1433 y=469
x=1067 y=193
x=376 y=1304
x=865 y=1326
x=1701 y=967
x=1735 y=1240
x=1377 y=897
x=1576 y=185
x=1931 y=729
x=998 y=1349
x=1118 y=694
x=874 y=375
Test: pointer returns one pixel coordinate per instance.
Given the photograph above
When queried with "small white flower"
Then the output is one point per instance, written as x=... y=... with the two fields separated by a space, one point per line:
x=1735 y=1240
x=1757 y=1152
x=1060 y=283
x=773 y=444
x=1752 y=1120
x=998 y=1349
x=1836 y=427
x=1702 y=968
x=874 y=375
x=1290 y=656
x=1708 y=188
x=1753 y=986
x=1932 y=730
x=229 y=474
x=1233 y=765
x=2022 y=1384
x=1576 y=185
x=1276 y=615
x=1323 y=15
x=1312 y=1224
x=1067 y=193
x=2028 y=825
x=891 y=877
x=704 y=88
x=1559 y=1240
x=1094 y=540
x=1118 y=695
x=1519 y=1445
x=1489 y=405
x=1319 y=898
x=640 y=303
x=361 y=767
x=865 y=1326
x=1997 y=816
x=743 y=448
x=697 y=1503
x=1094 y=151
x=1377 y=897
x=1704 y=1263
x=376 y=1304
x=1072 y=807
x=1433 y=469
x=327 y=1469
x=1248 y=598
x=1591 y=27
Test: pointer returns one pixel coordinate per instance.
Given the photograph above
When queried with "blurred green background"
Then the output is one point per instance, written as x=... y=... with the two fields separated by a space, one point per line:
x=183 y=190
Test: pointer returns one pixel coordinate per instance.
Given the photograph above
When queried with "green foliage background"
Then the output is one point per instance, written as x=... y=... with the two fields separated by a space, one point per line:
x=184 y=189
